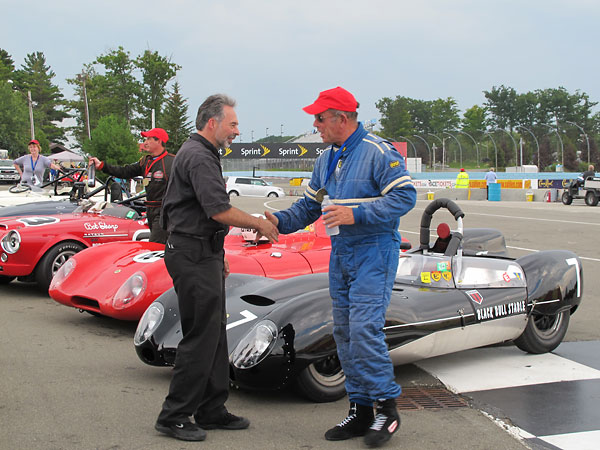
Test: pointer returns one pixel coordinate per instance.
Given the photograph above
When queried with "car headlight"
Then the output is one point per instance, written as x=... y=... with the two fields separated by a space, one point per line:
x=255 y=346
x=11 y=242
x=149 y=323
x=130 y=291
x=63 y=272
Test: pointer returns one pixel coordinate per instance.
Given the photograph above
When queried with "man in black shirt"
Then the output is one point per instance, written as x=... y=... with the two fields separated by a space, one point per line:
x=196 y=213
x=155 y=167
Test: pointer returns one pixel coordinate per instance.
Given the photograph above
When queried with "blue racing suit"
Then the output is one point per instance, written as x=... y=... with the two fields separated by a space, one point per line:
x=371 y=178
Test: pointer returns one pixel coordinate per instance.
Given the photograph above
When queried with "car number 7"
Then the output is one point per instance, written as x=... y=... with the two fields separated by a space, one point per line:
x=248 y=316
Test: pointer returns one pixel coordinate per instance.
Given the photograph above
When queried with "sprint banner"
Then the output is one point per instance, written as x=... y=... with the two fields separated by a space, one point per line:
x=276 y=150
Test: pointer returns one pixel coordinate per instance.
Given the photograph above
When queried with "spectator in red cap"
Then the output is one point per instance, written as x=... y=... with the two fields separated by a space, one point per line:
x=155 y=168
x=31 y=167
x=367 y=180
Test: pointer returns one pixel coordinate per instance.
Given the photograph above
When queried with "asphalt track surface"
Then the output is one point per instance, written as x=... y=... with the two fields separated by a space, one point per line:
x=73 y=381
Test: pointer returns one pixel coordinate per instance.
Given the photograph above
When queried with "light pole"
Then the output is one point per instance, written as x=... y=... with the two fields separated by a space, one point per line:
x=252 y=136
x=562 y=148
x=459 y=146
x=281 y=130
x=427 y=145
x=587 y=141
x=487 y=133
x=536 y=142
x=514 y=143
x=443 y=142
x=476 y=147
x=411 y=143
x=267 y=132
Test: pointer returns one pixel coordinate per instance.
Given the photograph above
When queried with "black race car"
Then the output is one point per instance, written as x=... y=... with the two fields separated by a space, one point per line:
x=462 y=292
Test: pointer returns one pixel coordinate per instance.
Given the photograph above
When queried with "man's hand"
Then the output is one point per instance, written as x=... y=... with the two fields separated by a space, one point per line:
x=95 y=161
x=267 y=229
x=338 y=215
x=226 y=271
x=272 y=218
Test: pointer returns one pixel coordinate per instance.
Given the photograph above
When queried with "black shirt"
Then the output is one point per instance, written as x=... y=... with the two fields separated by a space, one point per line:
x=155 y=170
x=196 y=190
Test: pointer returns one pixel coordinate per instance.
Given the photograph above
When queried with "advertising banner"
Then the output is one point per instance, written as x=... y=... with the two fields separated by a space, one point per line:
x=283 y=150
x=273 y=150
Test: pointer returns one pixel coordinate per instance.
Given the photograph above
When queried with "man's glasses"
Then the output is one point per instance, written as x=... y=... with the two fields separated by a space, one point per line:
x=321 y=118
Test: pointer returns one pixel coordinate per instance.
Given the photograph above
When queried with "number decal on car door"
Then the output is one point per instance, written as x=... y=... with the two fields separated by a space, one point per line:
x=248 y=316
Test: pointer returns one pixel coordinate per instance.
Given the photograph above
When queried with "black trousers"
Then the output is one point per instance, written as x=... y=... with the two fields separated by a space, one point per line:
x=157 y=233
x=200 y=382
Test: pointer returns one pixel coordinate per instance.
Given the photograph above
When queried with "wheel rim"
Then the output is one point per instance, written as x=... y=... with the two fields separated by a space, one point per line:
x=60 y=259
x=327 y=372
x=547 y=326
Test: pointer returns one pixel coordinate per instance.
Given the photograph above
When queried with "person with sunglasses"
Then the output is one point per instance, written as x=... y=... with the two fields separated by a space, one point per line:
x=370 y=187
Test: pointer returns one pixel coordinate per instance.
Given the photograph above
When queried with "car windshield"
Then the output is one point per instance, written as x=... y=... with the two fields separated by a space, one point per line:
x=461 y=271
x=424 y=270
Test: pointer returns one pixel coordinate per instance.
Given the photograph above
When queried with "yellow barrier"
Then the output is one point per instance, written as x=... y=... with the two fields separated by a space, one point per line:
x=295 y=181
x=430 y=195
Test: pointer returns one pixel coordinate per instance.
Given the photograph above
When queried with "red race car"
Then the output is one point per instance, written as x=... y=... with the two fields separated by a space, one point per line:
x=134 y=274
x=34 y=247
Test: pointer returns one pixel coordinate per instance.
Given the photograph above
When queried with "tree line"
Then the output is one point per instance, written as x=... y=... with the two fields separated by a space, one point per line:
x=115 y=94
x=114 y=97
x=552 y=124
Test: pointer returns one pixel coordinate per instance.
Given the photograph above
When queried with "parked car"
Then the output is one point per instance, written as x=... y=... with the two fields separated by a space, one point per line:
x=252 y=187
x=8 y=173
x=35 y=247
x=461 y=293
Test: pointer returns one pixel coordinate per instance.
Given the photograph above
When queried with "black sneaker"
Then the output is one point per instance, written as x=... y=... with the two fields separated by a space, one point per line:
x=356 y=424
x=225 y=421
x=185 y=431
x=386 y=423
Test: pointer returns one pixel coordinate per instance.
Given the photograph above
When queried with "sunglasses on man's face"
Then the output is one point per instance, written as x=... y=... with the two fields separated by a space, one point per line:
x=321 y=118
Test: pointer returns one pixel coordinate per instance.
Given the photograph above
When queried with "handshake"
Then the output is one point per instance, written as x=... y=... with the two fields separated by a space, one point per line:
x=266 y=227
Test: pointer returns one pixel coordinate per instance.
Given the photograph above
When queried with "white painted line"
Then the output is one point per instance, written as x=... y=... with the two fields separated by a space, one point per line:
x=503 y=367
x=514 y=248
x=586 y=440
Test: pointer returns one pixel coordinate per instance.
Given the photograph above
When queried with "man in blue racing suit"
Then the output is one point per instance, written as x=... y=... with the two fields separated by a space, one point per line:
x=370 y=187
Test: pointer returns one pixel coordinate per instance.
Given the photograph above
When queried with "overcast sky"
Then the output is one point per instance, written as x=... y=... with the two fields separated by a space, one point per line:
x=274 y=56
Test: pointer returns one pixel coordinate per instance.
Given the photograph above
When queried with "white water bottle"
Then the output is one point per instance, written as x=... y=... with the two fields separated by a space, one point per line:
x=333 y=230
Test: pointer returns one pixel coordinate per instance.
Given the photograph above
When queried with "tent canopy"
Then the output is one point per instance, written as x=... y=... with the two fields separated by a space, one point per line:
x=67 y=156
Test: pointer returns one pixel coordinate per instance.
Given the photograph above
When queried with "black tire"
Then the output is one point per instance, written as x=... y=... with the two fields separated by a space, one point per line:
x=322 y=381
x=543 y=332
x=52 y=260
x=272 y=194
x=591 y=199
x=566 y=198
x=234 y=193
x=5 y=280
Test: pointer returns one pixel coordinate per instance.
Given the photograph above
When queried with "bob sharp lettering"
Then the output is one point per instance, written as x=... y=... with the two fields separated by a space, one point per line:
x=502 y=310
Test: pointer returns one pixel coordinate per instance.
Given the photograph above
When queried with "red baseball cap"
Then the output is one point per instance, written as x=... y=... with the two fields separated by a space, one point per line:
x=336 y=98
x=157 y=133
x=33 y=141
